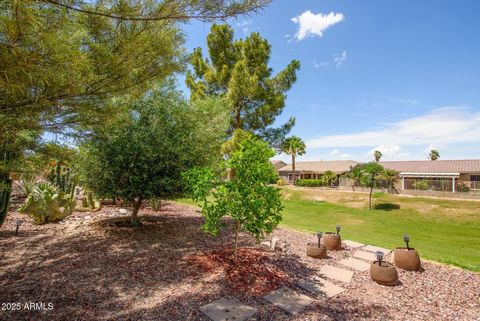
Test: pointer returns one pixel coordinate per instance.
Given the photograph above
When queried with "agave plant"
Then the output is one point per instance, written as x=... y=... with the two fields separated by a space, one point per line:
x=46 y=204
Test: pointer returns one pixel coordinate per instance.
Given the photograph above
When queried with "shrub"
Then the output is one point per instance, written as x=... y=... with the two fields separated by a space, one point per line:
x=463 y=189
x=46 y=204
x=310 y=182
x=422 y=185
x=386 y=206
x=281 y=182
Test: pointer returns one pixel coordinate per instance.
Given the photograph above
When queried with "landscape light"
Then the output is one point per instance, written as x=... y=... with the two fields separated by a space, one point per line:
x=379 y=255
x=338 y=229
x=319 y=237
x=406 y=239
x=17 y=225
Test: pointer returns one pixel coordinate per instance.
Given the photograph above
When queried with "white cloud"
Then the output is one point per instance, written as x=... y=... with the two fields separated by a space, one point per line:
x=335 y=152
x=311 y=24
x=244 y=24
x=440 y=126
x=387 y=150
x=340 y=59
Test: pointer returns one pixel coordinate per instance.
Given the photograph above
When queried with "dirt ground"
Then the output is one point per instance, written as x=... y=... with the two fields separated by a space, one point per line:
x=90 y=268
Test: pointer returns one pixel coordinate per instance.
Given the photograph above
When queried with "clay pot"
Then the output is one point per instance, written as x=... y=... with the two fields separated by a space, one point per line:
x=332 y=241
x=317 y=252
x=406 y=259
x=384 y=274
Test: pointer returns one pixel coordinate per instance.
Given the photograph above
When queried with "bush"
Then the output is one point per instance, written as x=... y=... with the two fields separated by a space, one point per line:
x=422 y=185
x=281 y=182
x=463 y=189
x=310 y=182
x=46 y=204
x=386 y=206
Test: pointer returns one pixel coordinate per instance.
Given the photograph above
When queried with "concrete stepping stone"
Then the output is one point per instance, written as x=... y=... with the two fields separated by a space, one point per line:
x=289 y=300
x=320 y=287
x=336 y=273
x=364 y=255
x=228 y=309
x=355 y=264
x=371 y=248
x=353 y=244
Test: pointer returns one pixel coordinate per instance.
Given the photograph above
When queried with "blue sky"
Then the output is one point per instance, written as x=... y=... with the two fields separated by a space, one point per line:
x=398 y=76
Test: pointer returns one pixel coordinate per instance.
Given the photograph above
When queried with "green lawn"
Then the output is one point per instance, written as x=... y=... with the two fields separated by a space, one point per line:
x=436 y=235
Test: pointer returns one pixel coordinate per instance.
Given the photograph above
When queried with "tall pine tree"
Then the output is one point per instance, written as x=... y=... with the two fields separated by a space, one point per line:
x=238 y=71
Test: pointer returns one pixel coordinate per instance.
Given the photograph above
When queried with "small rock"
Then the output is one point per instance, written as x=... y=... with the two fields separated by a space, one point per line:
x=273 y=243
x=123 y=211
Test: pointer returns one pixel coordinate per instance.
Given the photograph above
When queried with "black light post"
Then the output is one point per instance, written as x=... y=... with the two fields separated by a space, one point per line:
x=406 y=239
x=319 y=237
x=379 y=255
x=338 y=229
x=18 y=223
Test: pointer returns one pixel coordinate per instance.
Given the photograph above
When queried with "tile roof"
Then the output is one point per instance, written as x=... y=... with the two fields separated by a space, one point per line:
x=341 y=166
x=438 y=166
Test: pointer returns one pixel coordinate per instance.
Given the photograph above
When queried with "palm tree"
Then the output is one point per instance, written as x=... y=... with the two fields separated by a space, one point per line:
x=391 y=178
x=329 y=177
x=434 y=155
x=377 y=155
x=293 y=146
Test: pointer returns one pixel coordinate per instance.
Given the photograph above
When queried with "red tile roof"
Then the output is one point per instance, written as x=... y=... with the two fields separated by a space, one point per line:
x=438 y=166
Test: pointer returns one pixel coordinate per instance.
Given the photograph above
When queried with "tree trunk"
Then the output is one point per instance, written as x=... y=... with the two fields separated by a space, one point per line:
x=235 y=247
x=136 y=208
x=370 y=198
x=293 y=169
x=238 y=120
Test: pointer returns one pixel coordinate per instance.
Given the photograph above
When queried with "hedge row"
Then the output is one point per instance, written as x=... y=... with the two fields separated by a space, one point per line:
x=310 y=182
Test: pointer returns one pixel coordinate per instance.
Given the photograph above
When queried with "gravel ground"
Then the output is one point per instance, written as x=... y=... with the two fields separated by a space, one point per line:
x=89 y=268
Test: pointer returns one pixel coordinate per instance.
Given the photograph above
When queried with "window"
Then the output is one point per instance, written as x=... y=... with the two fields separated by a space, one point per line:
x=475 y=178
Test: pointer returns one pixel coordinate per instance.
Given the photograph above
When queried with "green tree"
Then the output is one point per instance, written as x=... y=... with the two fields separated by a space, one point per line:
x=390 y=176
x=434 y=155
x=143 y=155
x=370 y=174
x=247 y=198
x=238 y=71
x=293 y=146
x=377 y=155
x=329 y=177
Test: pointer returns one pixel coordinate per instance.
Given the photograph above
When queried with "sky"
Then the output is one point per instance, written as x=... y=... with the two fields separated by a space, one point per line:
x=401 y=77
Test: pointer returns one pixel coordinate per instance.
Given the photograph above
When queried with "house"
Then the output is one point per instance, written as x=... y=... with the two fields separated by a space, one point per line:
x=439 y=175
x=277 y=164
x=314 y=170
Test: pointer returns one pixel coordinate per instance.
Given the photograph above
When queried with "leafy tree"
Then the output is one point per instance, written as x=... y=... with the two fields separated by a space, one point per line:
x=370 y=174
x=143 y=155
x=247 y=198
x=377 y=155
x=391 y=178
x=434 y=155
x=238 y=71
x=293 y=146
x=329 y=177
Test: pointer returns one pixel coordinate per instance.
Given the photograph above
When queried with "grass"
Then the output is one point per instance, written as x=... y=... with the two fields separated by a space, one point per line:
x=446 y=231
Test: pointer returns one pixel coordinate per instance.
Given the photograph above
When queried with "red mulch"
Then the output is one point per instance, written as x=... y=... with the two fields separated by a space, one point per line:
x=253 y=273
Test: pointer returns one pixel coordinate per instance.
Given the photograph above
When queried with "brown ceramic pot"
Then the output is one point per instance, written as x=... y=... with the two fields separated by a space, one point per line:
x=332 y=241
x=384 y=274
x=317 y=252
x=406 y=259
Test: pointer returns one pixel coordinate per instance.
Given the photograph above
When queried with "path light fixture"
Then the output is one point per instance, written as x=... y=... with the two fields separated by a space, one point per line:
x=319 y=237
x=406 y=239
x=338 y=229
x=382 y=272
x=18 y=223
x=379 y=255
x=406 y=258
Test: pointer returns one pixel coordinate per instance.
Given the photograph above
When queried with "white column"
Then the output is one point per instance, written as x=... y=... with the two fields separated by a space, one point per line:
x=403 y=183
x=453 y=184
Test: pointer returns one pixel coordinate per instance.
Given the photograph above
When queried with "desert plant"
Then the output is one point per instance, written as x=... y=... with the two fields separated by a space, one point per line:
x=27 y=182
x=156 y=203
x=46 y=204
x=247 y=198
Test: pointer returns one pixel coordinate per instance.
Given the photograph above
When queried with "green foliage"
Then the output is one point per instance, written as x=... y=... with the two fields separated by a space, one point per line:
x=377 y=155
x=293 y=146
x=143 y=156
x=46 y=204
x=421 y=185
x=238 y=72
x=62 y=176
x=329 y=177
x=434 y=155
x=156 y=203
x=27 y=182
x=310 y=182
x=247 y=198
x=386 y=206
x=463 y=188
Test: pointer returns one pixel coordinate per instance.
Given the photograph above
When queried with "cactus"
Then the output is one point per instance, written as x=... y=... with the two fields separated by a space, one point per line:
x=47 y=204
x=61 y=176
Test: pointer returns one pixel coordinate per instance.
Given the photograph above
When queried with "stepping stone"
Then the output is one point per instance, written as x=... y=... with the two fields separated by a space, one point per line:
x=228 y=309
x=372 y=248
x=288 y=300
x=336 y=273
x=320 y=287
x=355 y=264
x=364 y=255
x=353 y=244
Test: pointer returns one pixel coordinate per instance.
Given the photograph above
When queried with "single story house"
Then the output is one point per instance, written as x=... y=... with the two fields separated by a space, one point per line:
x=314 y=170
x=439 y=175
x=277 y=164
